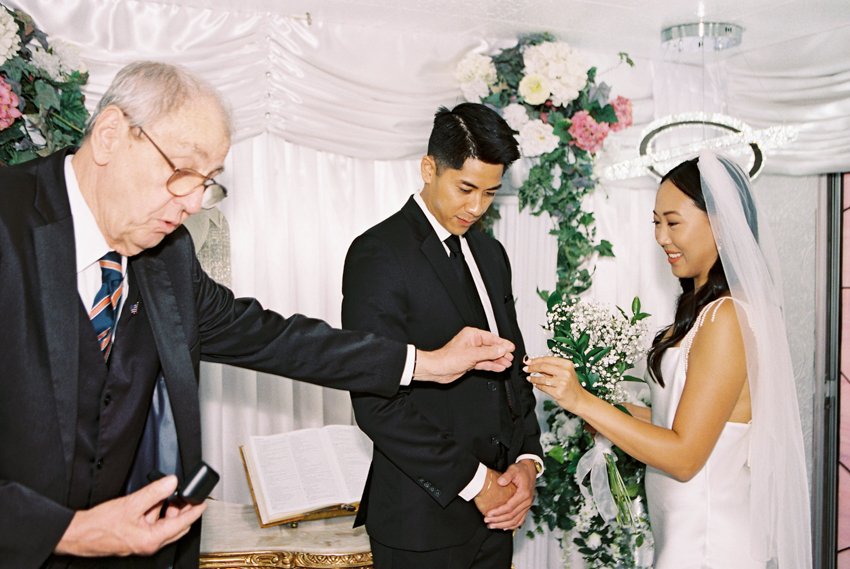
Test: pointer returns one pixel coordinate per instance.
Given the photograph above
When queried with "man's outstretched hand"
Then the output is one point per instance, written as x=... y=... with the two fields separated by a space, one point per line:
x=470 y=349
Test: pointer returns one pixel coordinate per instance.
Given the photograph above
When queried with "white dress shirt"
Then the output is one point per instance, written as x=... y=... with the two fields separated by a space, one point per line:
x=90 y=246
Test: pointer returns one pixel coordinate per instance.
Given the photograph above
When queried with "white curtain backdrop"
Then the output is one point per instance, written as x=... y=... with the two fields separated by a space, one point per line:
x=293 y=212
x=330 y=121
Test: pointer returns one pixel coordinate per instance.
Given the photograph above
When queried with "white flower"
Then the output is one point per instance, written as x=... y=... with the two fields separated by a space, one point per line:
x=474 y=91
x=548 y=441
x=69 y=56
x=515 y=115
x=534 y=89
x=46 y=61
x=593 y=541
x=536 y=138
x=563 y=68
x=563 y=92
x=476 y=73
x=567 y=428
x=10 y=43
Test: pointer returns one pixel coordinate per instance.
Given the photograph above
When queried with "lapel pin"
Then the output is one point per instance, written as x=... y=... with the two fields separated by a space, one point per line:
x=134 y=308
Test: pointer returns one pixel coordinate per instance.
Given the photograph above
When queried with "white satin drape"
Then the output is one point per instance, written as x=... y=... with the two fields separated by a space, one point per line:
x=366 y=91
x=353 y=90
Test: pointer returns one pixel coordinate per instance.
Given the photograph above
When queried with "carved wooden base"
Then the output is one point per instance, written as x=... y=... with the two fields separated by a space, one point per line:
x=285 y=560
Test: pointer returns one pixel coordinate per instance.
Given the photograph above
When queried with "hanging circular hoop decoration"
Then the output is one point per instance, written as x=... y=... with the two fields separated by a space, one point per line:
x=741 y=136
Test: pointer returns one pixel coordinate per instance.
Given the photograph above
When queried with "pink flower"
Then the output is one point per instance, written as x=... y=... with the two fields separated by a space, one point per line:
x=8 y=105
x=587 y=133
x=623 y=109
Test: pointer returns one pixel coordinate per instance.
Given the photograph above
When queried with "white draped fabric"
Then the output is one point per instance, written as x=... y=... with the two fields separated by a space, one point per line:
x=330 y=121
x=367 y=92
x=355 y=91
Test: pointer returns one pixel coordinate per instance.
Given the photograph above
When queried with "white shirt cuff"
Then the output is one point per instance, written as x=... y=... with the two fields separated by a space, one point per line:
x=476 y=484
x=409 y=364
x=535 y=458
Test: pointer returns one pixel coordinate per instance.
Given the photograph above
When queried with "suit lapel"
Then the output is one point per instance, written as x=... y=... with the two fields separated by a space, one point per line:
x=60 y=300
x=435 y=252
x=172 y=346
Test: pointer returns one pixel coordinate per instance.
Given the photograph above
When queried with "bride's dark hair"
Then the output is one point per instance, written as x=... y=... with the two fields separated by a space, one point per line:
x=686 y=178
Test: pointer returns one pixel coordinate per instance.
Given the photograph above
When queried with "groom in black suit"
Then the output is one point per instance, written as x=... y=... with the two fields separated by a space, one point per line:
x=454 y=466
x=78 y=430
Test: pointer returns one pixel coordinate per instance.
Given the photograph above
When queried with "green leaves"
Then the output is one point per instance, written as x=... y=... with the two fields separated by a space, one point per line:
x=637 y=315
x=604 y=114
x=624 y=58
x=46 y=96
x=557 y=454
x=561 y=128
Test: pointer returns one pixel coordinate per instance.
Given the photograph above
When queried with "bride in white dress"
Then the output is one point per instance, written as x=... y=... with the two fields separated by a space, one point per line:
x=726 y=480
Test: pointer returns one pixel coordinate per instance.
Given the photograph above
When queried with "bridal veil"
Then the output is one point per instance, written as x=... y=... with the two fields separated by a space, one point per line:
x=779 y=500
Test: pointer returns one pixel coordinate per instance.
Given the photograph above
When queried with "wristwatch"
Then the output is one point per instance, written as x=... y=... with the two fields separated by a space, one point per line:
x=538 y=467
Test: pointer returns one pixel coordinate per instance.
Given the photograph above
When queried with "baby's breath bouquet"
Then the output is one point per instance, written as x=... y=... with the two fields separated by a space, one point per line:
x=590 y=489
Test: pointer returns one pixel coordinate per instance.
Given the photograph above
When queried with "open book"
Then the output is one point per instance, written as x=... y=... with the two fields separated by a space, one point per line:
x=307 y=474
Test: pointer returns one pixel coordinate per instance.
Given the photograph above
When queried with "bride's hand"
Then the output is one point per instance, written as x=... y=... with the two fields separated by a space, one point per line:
x=557 y=377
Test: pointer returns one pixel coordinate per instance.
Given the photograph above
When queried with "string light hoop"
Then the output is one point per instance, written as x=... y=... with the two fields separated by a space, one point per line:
x=739 y=140
x=716 y=120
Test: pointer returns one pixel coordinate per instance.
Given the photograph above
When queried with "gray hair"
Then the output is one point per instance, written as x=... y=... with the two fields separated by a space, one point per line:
x=149 y=90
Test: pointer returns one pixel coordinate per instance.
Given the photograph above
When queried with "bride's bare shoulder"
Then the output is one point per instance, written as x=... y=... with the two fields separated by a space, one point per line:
x=719 y=328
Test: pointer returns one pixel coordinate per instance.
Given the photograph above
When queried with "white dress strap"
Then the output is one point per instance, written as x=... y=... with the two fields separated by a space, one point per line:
x=688 y=340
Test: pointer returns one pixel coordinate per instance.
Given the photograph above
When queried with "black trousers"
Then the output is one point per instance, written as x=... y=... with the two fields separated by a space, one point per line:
x=487 y=549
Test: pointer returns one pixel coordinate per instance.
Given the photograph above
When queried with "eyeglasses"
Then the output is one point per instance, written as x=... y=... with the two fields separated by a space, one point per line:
x=184 y=181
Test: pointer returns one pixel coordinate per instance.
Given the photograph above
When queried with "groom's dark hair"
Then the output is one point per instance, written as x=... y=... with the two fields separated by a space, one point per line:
x=471 y=130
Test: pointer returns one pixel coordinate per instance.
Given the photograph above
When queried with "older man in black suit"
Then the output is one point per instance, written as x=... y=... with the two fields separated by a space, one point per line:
x=445 y=455
x=104 y=307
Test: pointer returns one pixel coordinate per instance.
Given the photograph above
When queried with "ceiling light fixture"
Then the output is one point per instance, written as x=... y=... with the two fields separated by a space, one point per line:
x=691 y=38
x=668 y=140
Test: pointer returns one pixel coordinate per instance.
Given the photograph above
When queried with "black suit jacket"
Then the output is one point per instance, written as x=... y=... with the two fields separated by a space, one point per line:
x=192 y=318
x=429 y=439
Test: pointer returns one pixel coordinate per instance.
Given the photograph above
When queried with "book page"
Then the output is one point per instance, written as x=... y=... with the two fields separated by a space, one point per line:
x=353 y=452
x=305 y=470
x=317 y=471
x=276 y=475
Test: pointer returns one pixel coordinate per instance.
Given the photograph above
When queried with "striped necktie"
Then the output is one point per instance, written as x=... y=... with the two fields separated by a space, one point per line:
x=105 y=306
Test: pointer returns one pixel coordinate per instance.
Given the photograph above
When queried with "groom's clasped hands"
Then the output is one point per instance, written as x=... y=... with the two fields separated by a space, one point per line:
x=507 y=497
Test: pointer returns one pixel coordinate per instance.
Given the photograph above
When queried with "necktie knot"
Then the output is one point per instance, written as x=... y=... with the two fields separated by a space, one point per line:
x=110 y=268
x=453 y=243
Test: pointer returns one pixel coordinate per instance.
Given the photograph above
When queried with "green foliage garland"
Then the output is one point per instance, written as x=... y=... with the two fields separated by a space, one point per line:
x=560 y=179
